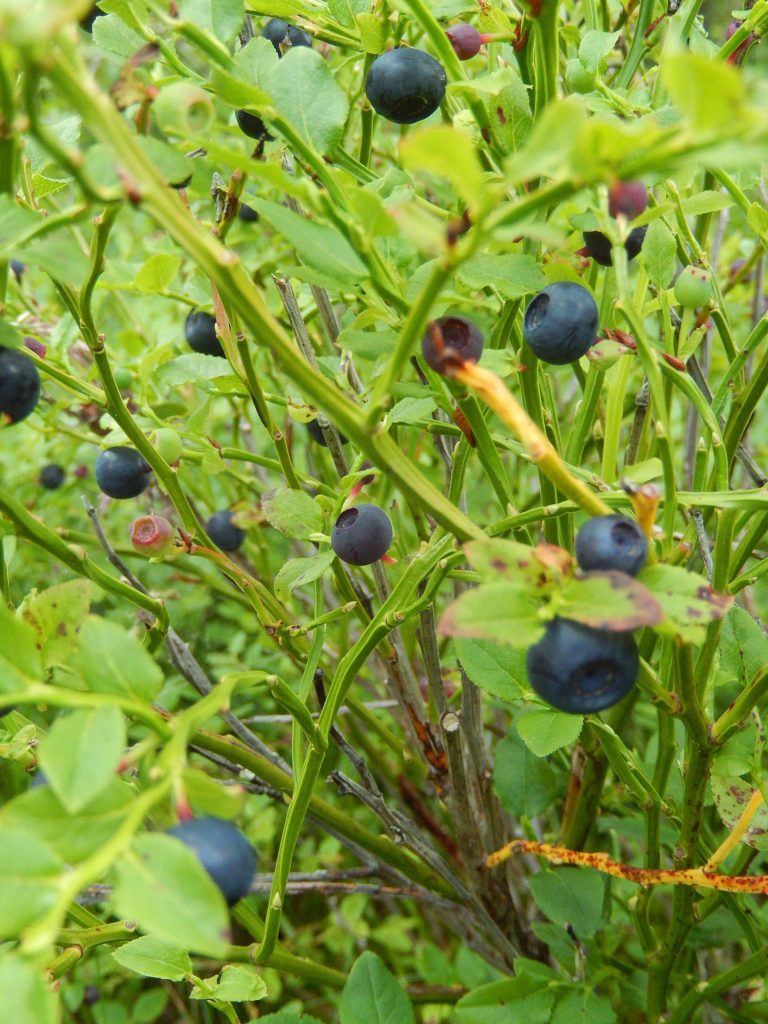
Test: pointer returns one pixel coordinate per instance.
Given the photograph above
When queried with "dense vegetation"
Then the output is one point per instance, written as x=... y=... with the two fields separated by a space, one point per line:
x=382 y=511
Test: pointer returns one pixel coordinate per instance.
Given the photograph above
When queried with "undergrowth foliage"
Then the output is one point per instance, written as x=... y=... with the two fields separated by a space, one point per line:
x=326 y=327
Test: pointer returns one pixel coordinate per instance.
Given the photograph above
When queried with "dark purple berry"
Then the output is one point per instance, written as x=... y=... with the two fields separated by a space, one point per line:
x=223 y=851
x=252 y=125
x=121 y=472
x=405 y=85
x=52 y=477
x=451 y=341
x=611 y=542
x=582 y=670
x=362 y=534
x=200 y=332
x=316 y=433
x=19 y=385
x=599 y=245
x=247 y=213
x=223 y=532
x=560 y=323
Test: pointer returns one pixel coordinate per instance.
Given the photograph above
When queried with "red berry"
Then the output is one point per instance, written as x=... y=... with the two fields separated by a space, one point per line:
x=629 y=198
x=465 y=40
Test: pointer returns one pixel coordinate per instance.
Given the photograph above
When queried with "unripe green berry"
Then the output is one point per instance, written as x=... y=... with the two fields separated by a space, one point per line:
x=184 y=109
x=169 y=445
x=578 y=78
x=693 y=287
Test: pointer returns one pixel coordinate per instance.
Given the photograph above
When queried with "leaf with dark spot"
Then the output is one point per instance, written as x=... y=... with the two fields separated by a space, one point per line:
x=608 y=600
x=688 y=601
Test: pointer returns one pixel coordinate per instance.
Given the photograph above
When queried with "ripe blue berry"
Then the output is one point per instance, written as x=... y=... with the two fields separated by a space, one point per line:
x=86 y=22
x=18 y=269
x=247 y=213
x=52 y=477
x=579 y=669
x=223 y=531
x=361 y=534
x=315 y=432
x=223 y=851
x=465 y=40
x=560 y=323
x=405 y=85
x=278 y=32
x=450 y=341
x=599 y=245
x=200 y=332
x=19 y=385
x=611 y=542
x=252 y=126
x=121 y=472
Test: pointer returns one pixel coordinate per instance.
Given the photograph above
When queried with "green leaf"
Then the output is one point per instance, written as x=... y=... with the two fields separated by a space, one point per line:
x=372 y=994
x=757 y=218
x=320 y=246
x=293 y=513
x=373 y=32
x=583 y=1007
x=501 y=612
x=525 y=999
x=689 y=603
x=113 y=37
x=743 y=645
x=499 y=670
x=81 y=752
x=608 y=600
x=208 y=796
x=449 y=153
x=256 y=60
x=29 y=876
x=154 y=958
x=297 y=572
x=572 y=896
x=288 y=1017
x=163 y=887
x=237 y=983
x=57 y=615
x=196 y=368
x=549 y=145
x=20 y=662
x=545 y=730
x=512 y=275
x=410 y=410
x=222 y=18
x=732 y=795
x=595 y=47
x=344 y=11
x=114 y=661
x=73 y=837
x=525 y=784
x=307 y=95
x=710 y=93
x=26 y=996
x=659 y=253
x=157 y=274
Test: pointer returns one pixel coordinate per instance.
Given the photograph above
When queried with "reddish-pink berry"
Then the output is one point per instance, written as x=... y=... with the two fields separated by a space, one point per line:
x=629 y=198
x=465 y=40
x=152 y=534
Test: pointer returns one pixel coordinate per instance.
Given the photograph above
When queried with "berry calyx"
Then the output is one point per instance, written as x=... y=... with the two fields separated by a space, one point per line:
x=465 y=40
x=361 y=534
x=405 y=85
x=223 y=532
x=200 y=332
x=52 y=477
x=451 y=341
x=560 y=323
x=693 y=287
x=611 y=542
x=223 y=851
x=581 y=670
x=19 y=385
x=121 y=472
